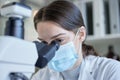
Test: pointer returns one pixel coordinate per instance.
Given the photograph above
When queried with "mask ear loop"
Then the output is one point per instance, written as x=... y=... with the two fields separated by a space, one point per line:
x=77 y=34
x=76 y=37
x=80 y=46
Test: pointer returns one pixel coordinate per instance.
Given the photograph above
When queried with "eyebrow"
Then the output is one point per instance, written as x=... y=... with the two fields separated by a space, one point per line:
x=54 y=36
x=57 y=35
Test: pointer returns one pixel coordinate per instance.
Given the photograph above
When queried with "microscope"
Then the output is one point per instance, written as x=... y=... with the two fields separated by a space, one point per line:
x=18 y=57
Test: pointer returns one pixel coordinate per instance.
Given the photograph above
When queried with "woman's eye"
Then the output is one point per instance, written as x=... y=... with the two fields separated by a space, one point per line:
x=60 y=40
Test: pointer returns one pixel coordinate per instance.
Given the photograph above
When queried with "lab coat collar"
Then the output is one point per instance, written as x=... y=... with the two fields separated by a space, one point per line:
x=55 y=75
x=85 y=71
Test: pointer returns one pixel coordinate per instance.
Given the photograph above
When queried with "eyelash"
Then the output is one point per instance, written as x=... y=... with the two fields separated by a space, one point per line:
x=61 y=40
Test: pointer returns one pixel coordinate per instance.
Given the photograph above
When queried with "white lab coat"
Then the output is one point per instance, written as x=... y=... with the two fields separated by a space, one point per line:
x=92 y=68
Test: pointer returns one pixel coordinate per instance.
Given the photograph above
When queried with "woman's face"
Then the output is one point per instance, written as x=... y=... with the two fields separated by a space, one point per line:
x=49 y=31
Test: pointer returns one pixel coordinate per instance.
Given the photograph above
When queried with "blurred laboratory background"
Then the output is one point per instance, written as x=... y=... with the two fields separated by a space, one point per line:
x=102 y=20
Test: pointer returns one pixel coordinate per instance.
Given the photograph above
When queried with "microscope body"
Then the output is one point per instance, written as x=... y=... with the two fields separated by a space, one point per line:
x=16 y=56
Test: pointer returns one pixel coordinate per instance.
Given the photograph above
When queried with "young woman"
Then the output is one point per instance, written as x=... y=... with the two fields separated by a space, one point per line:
x=62 y=20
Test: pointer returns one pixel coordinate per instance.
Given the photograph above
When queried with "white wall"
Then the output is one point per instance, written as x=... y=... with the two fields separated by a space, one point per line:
x=30 y=33
x=2 y=25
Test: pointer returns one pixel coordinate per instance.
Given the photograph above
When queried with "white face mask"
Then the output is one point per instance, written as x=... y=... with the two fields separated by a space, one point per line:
x=65 y=57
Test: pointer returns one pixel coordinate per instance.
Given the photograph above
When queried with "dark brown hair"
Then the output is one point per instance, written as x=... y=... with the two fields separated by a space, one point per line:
x=64 y=13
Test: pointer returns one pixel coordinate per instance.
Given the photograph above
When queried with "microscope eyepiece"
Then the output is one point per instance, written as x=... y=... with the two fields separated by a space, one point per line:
x=46 y=52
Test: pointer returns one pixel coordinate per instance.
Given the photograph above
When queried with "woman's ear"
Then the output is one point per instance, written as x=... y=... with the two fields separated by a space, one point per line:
x=82 y=33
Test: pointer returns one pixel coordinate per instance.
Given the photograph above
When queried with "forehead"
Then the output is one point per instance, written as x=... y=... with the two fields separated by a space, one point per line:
x=48 y=29
x=49 y=26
